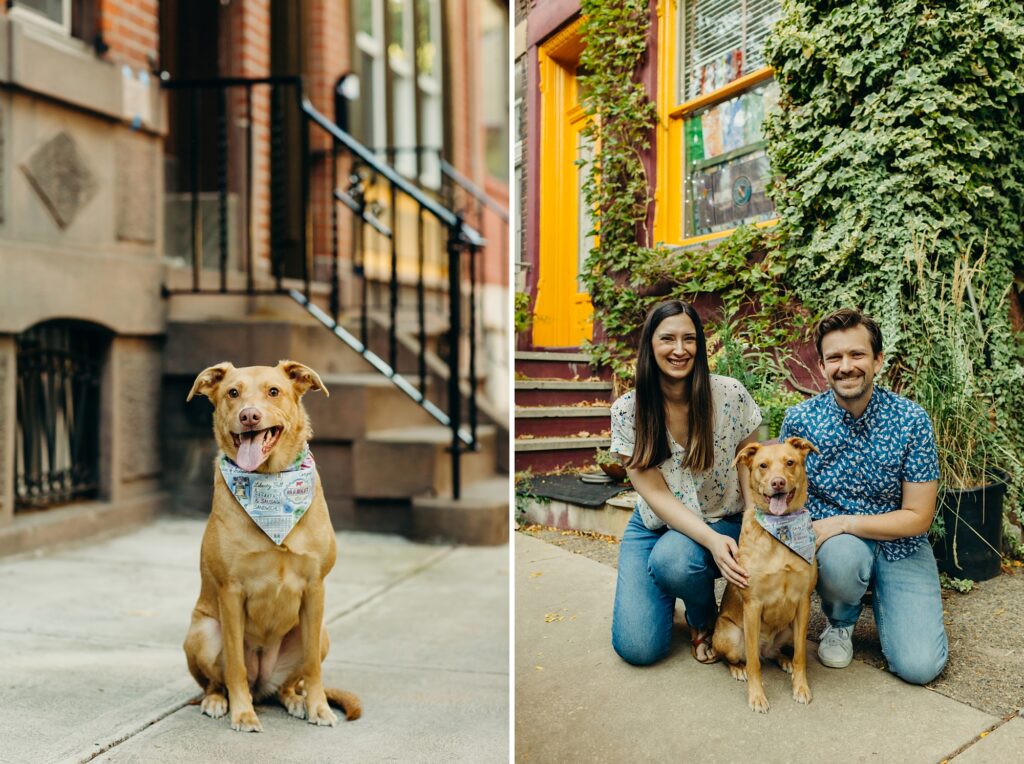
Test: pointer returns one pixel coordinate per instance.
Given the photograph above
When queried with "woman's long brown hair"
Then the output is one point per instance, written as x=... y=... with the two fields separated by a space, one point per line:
x=651 y=446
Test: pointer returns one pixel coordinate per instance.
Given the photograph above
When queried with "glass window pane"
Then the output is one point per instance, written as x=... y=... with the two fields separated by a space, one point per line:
x=584 y=220
x=397 y=36
x=494 y=58
x=363 y=10
x=720 y=41
x=428 y=22
x=51 y=9
x=725 y=163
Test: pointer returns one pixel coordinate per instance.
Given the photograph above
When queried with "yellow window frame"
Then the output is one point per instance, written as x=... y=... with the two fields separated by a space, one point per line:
x=669 y=180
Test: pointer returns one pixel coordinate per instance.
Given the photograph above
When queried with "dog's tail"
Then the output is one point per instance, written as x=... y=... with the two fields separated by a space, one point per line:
x=346 y=701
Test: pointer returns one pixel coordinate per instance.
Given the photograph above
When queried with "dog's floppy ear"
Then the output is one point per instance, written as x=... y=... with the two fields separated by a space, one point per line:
x=208 y=379
x=800 y=444
x=746 y=454
x=303 y=377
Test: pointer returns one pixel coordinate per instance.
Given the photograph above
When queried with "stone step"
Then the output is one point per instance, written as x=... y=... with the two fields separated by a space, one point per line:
x=480 y=516
x=558 y=365
x=550 y=392
x=416 y=461
x=550 y=421
x=542 y=455
x=360 y=403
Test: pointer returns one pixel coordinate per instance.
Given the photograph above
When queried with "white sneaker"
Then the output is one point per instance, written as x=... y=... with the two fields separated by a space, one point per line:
x=835 y=649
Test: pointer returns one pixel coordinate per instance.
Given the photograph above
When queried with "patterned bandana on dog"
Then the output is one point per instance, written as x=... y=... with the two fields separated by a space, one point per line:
x=275 y=501
x=795 y=531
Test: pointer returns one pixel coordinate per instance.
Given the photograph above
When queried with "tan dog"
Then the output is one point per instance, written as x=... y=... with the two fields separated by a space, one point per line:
x=257 y=629
x=773 y=610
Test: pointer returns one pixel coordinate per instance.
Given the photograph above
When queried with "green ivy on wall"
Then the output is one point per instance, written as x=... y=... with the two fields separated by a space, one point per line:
x=621 y=120
x=900 y=188
x=898 y=154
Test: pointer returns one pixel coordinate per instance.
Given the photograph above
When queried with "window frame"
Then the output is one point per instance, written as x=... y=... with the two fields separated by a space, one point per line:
x=669 y=224
x=25 y=13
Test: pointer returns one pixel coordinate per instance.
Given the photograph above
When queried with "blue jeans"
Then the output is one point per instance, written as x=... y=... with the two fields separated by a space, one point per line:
x=907 y=602
x=656 y=568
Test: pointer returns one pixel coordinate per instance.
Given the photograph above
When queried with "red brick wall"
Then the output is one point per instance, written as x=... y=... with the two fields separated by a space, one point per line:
x=327 y=58
x=248 y=55
x=130 y=28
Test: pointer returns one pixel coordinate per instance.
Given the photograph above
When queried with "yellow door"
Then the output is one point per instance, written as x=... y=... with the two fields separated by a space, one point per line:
x=563 y=315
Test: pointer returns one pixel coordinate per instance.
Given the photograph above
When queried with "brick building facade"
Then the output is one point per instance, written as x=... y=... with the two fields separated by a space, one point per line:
x=94 y=173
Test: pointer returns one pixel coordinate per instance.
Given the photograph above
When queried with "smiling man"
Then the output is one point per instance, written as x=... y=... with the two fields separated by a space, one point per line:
x=872 y=496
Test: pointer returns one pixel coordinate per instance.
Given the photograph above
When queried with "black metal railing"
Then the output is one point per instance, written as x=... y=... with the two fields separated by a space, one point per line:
x=411 y=267
x=58 y=413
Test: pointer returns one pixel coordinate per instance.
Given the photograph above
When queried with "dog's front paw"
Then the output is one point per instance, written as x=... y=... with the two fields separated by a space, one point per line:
x=757 y=702
x=294 y=704
x=246 y=721
x=214 y=704
x=802 y=694
x=320 y=714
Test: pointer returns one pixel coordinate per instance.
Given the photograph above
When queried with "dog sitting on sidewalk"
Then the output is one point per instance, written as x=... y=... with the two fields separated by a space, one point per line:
x=776 y=548
x=257 y=629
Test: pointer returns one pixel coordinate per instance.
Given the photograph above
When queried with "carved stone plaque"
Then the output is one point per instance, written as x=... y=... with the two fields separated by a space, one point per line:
x=136 y=190
x=59 y=173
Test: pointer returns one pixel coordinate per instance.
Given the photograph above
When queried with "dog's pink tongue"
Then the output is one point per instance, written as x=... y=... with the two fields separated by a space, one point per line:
x=250 y=454
x=778 y=504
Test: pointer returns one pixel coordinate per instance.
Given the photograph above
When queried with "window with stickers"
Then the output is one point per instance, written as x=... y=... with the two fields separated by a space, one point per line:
x=721 y=91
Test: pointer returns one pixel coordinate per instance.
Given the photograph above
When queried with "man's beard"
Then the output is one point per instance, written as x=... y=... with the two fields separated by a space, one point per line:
x=850 y=396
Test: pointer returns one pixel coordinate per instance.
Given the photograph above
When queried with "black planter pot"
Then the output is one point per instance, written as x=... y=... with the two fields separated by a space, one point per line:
x=972 y=545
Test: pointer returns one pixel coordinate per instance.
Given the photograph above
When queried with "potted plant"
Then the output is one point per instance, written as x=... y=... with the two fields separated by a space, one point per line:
x=610 y=464
x=945 y=370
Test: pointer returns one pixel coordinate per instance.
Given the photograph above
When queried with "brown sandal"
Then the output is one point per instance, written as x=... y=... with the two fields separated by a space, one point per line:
x=699 y=639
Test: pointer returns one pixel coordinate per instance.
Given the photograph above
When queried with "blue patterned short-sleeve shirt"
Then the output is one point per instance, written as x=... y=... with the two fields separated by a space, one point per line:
x=712 y=494
x=864 y=462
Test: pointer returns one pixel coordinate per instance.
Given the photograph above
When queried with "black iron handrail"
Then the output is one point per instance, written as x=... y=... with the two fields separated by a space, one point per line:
x=462 y=243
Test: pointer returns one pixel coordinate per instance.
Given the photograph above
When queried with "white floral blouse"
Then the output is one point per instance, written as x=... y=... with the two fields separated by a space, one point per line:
x=713 y=494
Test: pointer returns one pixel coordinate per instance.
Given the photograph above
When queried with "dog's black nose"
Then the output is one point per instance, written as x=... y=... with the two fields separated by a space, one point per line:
x=250 y=417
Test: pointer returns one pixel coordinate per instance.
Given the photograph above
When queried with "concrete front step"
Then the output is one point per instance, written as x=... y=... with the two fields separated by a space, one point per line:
x=541 y=455
x=416 y=461
x=258 y=341
x=480 y=516
x=360 y=403
x=559 y=365
x=552 y=421
x=609 y=519
x=548 y=392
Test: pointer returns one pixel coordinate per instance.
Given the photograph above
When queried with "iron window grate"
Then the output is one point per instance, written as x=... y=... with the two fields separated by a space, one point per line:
x=58 y=406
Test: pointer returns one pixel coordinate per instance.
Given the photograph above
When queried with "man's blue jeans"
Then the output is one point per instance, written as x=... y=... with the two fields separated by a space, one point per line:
x=656 y=568
x=907 y=602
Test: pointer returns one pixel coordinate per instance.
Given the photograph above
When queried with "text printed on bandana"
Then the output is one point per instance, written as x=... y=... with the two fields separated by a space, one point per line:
x=795 y=531
x=274 y=501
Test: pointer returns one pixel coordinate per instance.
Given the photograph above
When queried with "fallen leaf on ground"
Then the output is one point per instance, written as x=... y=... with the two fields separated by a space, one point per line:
x=536 y=574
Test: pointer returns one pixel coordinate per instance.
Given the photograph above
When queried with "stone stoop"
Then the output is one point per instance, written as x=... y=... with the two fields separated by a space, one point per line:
x=562 y=411
x=377 y=452
x=609 y=519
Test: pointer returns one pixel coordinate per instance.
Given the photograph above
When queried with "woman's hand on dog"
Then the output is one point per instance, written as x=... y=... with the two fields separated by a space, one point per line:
x=724 y=550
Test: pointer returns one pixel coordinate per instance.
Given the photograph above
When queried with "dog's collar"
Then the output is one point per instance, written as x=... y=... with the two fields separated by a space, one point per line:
x=275 y=501
x=794 y=530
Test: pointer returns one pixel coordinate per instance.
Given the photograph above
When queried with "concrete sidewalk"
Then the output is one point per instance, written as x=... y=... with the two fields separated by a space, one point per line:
x=91 y=665
x=576 y=700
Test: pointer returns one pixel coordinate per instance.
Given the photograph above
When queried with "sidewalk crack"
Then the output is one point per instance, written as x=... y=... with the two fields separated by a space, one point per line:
x=377 y=593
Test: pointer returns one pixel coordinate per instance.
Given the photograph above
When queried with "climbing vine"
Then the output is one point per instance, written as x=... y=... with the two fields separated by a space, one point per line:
x=620 y=128
x=896 y=152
